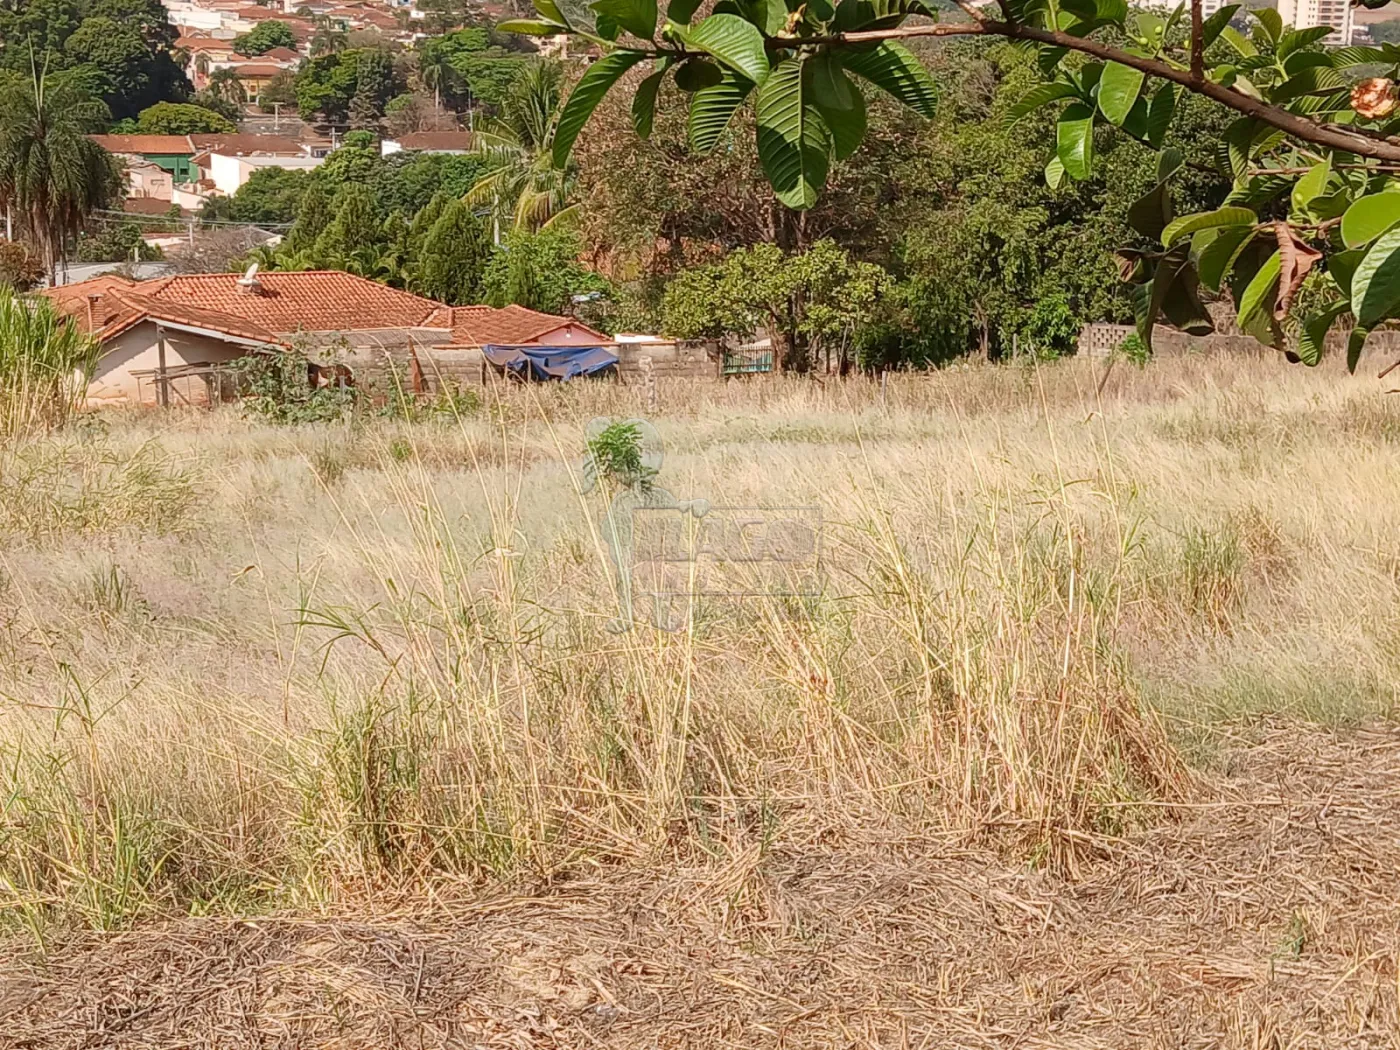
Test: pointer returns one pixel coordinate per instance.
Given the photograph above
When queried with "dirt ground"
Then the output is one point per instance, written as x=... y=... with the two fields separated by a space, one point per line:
x=1267 y=918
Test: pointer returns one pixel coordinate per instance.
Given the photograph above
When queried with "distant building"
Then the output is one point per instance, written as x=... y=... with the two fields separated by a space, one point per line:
x=170 y=152
x=428 y=142
x=1303 y=14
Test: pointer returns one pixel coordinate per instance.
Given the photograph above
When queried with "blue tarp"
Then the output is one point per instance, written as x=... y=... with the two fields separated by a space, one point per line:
x=550 y=362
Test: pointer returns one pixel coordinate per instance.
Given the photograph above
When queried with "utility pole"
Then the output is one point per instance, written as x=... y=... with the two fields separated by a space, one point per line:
x=276 y=117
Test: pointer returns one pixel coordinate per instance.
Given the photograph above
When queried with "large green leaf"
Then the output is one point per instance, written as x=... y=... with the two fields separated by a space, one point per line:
x=550 y=12
x=838 y=100
x=1312 y=185
x=712 y=108
x=874 y=14
x=1214 y=260
x=793 y=141
x=893 y=68
x=1341 y=266
x=638 y=17
x=1236 y=40
x=531 y=27
x=1256 y=305
x=1370 y=217
x=1159 y=114
x=1312 y=338
x=584 y=99
x=681 y=11
x=769 y=15
x=1295 y=39
x=1189 y=224
x=1375 y=289
x=696 y=74
x=1314 y=80
x=1346 y=57
x=1211 y=27
x=1040 y=95
x=1356 y=342
x=828 y=83
x=734 y=41
x=1074 y=140
x=644 y=103
x=1119 y=87
x=1270 y=24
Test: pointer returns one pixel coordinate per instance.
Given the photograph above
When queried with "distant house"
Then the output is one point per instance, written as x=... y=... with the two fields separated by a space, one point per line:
x=147 y=181
x=170 y=152
x=477 y=326
x=164 y=340
x=428 y=142
x=226 y=162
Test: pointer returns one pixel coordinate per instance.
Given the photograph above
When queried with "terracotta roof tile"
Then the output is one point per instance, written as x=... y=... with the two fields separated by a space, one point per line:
x=146 y=306
x=313 y=301
x=164 y=144
x=145 y=206
x=282 y=54
x=242 y=145
x=256 y=69
x=436 y=140
x=480 y=325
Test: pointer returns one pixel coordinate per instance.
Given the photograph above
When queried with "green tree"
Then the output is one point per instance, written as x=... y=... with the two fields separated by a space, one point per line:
x=354 y=231
x=540 y=271
x=177 y=118
x=811 y=302
x=522 y=185
x=453 y=257
x=374 y=86
x=1386 y=32
x=271 y=196
x=314 y=214
x=1309 y=127
x=280 y=91
x=264 y=37
x=52 y=176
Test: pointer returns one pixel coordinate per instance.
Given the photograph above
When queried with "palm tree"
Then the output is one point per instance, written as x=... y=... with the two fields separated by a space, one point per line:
x=52 y=176
x=522 y=181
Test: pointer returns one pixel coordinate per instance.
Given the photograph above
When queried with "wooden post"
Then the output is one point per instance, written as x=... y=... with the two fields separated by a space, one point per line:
x=162 y=382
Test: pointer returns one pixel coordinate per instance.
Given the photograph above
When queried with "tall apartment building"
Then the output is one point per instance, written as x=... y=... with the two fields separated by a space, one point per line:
x=1304 y=13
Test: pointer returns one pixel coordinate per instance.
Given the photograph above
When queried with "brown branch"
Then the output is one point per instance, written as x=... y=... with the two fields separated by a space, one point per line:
x=1363 y=142
x=1197 y=43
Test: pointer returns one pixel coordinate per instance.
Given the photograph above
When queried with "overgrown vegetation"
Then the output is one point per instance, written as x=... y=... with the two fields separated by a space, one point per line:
x=45 y=365
x=395 y=670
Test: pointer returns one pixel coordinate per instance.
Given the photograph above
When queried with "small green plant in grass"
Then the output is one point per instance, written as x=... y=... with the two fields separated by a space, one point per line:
x=1212 y=570
x=615 y=455
x=1133 y=350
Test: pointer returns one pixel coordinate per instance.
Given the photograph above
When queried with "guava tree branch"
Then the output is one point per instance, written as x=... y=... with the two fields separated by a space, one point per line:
x=1363 y=142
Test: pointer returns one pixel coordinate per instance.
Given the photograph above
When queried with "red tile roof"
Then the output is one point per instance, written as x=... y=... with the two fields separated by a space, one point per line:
x=145 y=206
x=511 y=325
x=109 y=305
x=162 y=144
x=314 y=301
x=256 y=69
x=282 y=54
x=436 y=140
x=194 y=42
x=243 y=145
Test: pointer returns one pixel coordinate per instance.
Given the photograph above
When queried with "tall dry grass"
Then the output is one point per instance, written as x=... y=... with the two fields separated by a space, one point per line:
x=246 y=667
x=45 y=363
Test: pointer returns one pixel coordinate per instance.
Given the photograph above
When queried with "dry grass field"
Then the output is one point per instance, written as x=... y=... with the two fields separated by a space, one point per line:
x=318 y=737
